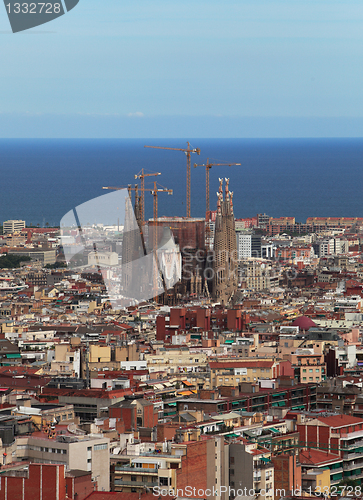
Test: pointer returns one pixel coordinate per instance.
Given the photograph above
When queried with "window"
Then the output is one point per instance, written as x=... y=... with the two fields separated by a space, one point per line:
x=317 y=370
x=89 y=448
x=102 y=446
x=310 y=378
x=310 y=370
x=304 y=378
x=163 y=481
x=304 y=370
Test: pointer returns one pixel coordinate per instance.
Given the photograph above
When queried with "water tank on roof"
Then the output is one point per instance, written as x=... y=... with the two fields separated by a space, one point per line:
x=7 y=434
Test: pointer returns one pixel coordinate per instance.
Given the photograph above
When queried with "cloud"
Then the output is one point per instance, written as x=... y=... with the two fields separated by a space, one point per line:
x=138 y=114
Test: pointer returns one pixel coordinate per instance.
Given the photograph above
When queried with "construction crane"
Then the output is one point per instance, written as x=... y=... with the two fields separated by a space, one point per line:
x=208 y=166
x=142 y=176
x=188 y=151
x=154 y=191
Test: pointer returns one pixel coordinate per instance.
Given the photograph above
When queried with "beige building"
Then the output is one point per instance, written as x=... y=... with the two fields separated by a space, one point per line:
x=102 y=259
x=67 y=361
x=43 y=256
x=82 y=453
x=175 y=361
x=232 y=373
x=256 y=275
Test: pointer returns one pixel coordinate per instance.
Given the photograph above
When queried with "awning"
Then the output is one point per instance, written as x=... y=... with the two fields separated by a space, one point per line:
x=279 y=394
x=276 y=431
x=17 y=355
x=282 y=403
x=266 y=460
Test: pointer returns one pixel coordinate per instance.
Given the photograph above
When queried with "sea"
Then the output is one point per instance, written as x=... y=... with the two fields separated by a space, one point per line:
x=41 y=180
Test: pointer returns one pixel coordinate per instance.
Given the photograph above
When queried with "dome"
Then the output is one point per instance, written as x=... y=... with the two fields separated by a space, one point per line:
x=304 y=323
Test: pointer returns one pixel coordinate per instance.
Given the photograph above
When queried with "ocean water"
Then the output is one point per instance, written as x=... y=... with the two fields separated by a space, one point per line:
x=41 y=180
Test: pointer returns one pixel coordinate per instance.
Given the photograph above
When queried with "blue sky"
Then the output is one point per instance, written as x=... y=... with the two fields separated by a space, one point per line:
x=141 y=68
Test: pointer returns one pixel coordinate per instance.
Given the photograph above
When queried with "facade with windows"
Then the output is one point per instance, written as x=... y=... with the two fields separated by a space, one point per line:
x=13 y=226
x=83 y=453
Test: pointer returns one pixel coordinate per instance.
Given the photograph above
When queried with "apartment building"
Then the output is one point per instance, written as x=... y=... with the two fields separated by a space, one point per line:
x=340 y=435
x=13 y=226
x=232 y=373
x=201 y=465
x=251 y=467
x=175 y=361
x=83 y=452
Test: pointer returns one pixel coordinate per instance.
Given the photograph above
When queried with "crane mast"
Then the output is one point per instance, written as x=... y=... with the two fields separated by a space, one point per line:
x=188 y=151
x=142 y=176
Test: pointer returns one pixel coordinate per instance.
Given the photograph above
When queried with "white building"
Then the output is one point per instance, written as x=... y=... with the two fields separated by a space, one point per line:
x=13 y=226
x=102 y=259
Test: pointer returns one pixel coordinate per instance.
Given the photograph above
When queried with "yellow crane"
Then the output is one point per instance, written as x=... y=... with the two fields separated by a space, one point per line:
x=188 y=151
x=142 y=176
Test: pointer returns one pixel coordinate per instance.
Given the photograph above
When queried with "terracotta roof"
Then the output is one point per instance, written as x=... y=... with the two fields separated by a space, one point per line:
x=317 y=457
x=340 y=420
x=303 y=322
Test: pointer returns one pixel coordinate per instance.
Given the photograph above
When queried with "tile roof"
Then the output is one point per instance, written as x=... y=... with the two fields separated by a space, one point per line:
x=317 y=457
x=340 y=420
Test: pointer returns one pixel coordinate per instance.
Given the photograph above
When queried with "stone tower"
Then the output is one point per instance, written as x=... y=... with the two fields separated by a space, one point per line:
x=225 y=265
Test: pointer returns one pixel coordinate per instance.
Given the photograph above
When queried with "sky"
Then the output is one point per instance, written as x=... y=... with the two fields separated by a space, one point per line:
x=227 y=68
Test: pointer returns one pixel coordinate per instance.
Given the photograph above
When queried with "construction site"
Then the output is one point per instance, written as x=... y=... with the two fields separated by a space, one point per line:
x=207 y=246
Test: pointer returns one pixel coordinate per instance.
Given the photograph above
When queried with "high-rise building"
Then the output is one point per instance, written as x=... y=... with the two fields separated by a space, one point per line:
x=225 y=260
x=248 y=245
x=13 y=226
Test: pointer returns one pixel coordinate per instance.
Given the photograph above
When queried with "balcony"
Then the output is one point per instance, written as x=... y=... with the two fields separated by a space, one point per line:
x=136 y=470
x=353 y=445
x=135 y=484
x=351 y=456
x=350 y=466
